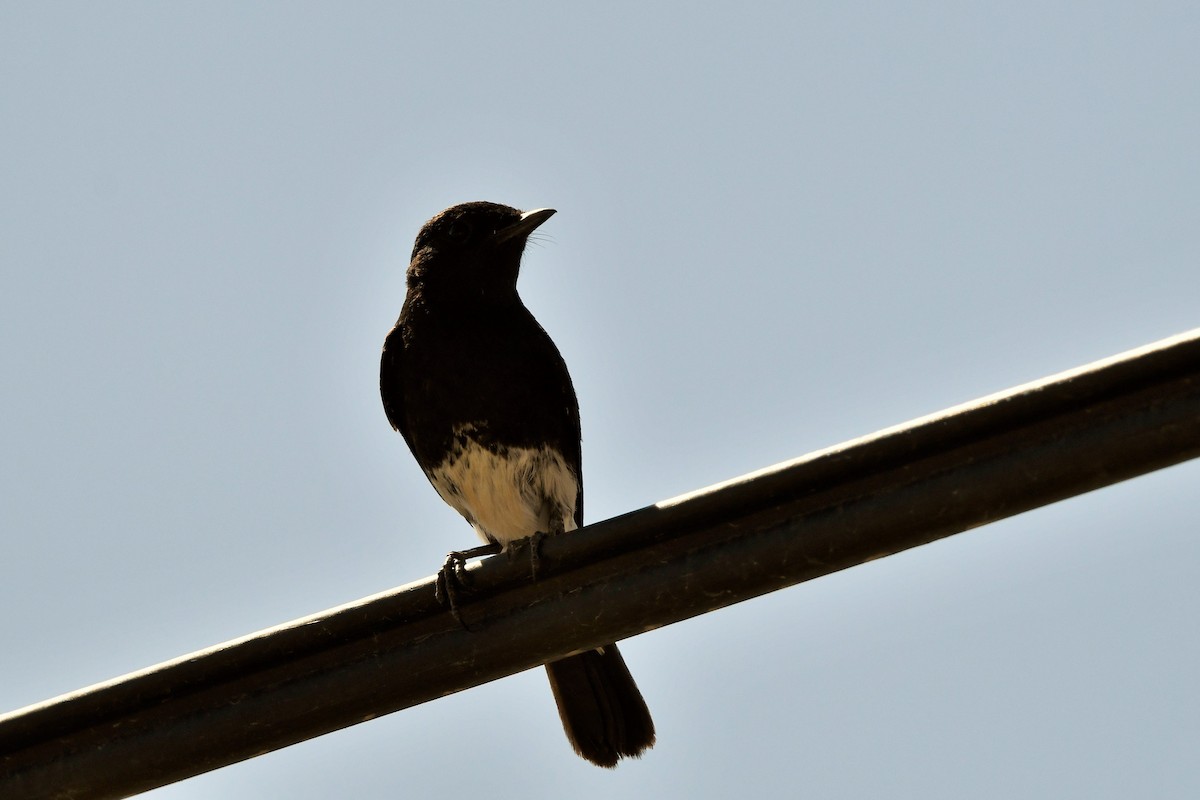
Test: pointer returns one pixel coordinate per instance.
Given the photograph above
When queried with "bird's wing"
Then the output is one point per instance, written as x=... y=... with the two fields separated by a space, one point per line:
x=391 y=382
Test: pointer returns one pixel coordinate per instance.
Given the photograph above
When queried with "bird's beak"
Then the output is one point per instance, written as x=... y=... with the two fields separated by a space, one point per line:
x=527 y=224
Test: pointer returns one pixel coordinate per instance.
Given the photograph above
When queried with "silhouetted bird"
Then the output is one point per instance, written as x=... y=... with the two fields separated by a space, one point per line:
x=485 y=402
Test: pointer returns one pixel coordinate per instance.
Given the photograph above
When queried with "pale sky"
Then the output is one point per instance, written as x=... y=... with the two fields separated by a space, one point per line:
x=779 y=227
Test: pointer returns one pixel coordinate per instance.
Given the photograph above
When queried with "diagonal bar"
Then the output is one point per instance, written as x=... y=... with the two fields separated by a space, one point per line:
x=871 y=497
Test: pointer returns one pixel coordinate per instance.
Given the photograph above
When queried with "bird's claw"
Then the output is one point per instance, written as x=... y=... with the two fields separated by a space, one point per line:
x=449 y=581
x=534 y=543
x=453 y=579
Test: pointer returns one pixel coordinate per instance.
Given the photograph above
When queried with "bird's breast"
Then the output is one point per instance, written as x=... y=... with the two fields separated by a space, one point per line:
x=507 y=493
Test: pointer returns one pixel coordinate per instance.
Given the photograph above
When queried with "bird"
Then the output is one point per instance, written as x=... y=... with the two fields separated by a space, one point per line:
x=483 y=399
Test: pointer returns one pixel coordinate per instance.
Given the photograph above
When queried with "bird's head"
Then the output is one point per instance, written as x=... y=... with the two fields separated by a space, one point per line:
x=473 y=249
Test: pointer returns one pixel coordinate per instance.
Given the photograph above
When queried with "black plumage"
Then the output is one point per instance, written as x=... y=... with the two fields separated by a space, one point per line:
x=485 y=402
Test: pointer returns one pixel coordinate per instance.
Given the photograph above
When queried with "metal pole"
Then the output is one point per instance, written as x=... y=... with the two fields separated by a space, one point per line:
x=871 y=497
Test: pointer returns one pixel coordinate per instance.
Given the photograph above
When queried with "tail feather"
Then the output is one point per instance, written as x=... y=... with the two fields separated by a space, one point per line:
x=602 y=710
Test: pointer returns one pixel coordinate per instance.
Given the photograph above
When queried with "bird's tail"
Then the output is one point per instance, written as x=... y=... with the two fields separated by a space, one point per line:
x=602 y=710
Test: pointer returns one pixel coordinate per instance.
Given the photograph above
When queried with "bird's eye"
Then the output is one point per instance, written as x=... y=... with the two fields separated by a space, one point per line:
x=459 y=231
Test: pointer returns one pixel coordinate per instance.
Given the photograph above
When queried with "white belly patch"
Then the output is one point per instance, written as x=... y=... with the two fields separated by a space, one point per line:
x=511 y=494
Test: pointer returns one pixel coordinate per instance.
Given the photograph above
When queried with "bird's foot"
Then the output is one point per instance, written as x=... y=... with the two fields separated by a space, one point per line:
x=453 y=580
x=534 y=543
